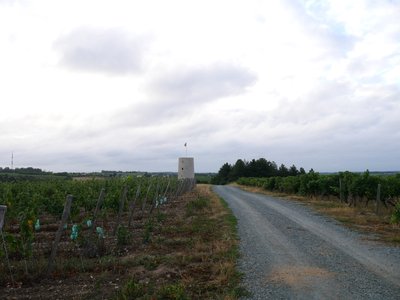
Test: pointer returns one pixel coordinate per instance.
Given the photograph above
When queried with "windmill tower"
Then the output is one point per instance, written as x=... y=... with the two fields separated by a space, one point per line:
x=185 y=166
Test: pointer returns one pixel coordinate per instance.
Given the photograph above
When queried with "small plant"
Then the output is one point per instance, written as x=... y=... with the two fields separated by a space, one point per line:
x=173 y=292
x=123 y=236
x=395 y=218
x=131 y=290
x=26 y=237
x=149 y=262
x=161 y=217
x=148 y=228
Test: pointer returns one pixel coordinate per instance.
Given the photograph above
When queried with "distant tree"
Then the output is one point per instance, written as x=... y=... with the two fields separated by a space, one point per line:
x=31 y=171
x=254 y=168
x=223 y=174
x=293 y=171
x=238 y=170
x=274 y=167
x=283 y=171
x=261 y=167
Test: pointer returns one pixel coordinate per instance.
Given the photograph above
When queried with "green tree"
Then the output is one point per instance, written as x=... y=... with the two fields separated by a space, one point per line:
x=283 y=171
x=293 y=171
x=238 y=170
x=223 y=174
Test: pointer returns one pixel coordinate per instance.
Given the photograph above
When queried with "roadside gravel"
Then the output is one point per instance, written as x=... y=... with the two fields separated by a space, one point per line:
x=291 y=252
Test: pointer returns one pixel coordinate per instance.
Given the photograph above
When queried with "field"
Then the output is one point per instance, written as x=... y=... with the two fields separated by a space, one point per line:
x=146 y=238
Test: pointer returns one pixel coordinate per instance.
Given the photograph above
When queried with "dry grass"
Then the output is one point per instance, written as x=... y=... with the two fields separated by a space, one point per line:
x=298 y=276
x=361 y=218
x=215 y=249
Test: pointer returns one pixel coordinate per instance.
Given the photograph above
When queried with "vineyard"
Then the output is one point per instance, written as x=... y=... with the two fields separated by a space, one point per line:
x=353 y=189
x=56 y=230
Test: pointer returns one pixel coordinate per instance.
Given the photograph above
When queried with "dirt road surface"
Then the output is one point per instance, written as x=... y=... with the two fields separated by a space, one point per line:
x=291 y=252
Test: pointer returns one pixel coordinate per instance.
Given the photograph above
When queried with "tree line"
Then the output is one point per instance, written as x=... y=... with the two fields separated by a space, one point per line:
x=254 y=168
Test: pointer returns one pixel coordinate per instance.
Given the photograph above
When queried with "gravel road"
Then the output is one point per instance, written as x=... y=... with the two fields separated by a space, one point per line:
x=291 y=252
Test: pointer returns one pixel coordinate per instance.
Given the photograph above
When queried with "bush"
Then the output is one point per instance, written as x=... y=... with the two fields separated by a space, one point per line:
x=395 y=218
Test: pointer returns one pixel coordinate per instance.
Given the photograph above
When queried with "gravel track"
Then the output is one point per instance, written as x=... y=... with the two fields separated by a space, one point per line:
x=291 y=252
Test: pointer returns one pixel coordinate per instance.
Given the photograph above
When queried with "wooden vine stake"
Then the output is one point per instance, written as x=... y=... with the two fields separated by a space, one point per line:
x=98 y=205
x=179 y=188
x=3 y=210
x=166 y=189
x=147 y=195
x=64 y=218
x=340 y=190
x=378 y=199
x=156 y=197
x=132 y=206
x=121 y=208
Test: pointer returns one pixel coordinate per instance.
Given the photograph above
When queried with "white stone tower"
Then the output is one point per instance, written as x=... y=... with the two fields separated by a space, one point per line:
x=185 y=168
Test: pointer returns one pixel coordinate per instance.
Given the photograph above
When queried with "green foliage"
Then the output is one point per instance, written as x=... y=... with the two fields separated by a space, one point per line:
x=148 y=229
x=172 y=292
x=26 y=237
x=136 y=290
x=203 y=178
x=395 y=218
x=131 y=290
x=160 y=216
x=48 y=196
x=254 y=168
x=197 y=204
x=149 y=262
x=223 y=175
x=123 y=236
x=314 y=184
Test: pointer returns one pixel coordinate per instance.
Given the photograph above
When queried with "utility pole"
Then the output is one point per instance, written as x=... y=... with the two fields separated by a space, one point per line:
x=12 y=160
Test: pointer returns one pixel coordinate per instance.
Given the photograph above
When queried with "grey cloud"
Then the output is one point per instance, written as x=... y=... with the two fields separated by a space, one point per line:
x=183 y=92
x=103 y=50
x=202 y=84
x=340 y=106
x=337 y=127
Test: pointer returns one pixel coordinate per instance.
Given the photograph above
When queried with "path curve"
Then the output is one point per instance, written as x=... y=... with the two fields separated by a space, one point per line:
x=291 y=252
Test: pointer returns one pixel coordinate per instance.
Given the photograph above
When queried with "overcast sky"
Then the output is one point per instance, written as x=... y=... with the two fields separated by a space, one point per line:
x=122 y=85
